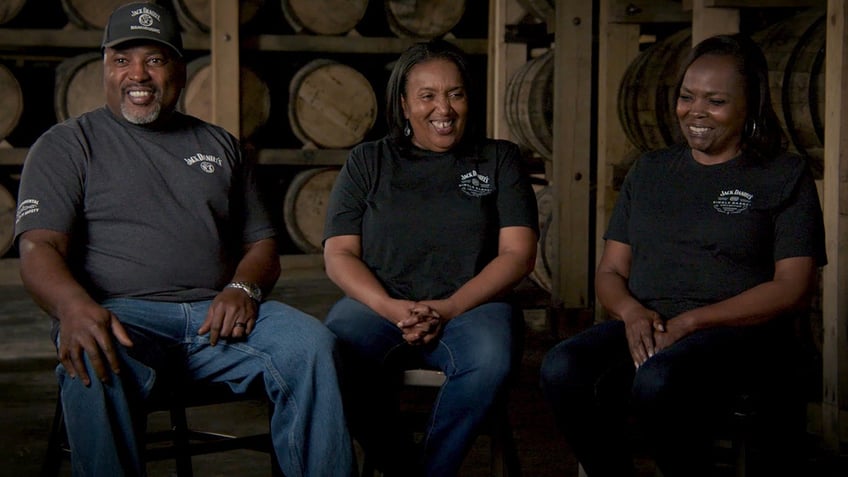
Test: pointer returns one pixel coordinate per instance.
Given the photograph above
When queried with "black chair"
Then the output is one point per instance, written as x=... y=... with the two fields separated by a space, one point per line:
x=181 y=441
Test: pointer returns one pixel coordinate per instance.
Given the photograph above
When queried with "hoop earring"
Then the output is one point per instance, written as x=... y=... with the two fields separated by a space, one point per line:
x=753 y=128
x=407 y=131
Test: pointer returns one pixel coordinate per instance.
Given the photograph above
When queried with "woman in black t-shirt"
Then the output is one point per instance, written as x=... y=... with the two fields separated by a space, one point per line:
x=427 y=230
x=711 y=248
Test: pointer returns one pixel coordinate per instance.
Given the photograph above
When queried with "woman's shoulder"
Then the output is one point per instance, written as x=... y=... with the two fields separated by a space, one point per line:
x=673 y=151
x=659 y=158
x=498 y=147
x=487 y=149
x=788 y=160
x=787 y=169
x=370 y=147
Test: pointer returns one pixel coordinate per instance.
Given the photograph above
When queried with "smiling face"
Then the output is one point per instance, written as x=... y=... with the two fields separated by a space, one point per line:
x=435 y=104
x=142 y=81
x=712 y=108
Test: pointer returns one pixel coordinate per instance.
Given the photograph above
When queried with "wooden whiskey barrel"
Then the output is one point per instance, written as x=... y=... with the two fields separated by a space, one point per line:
x=647 y=96
x=324 y=17
x=331 y=105
x=423 y=19
x=11 y=102
x=9 y=9
x=795 y=51
x=254 y=94
x=79 y=85
x=305 y=207
x=90 y=14
x=196 y=15
x=7 y=220
x=529 y=104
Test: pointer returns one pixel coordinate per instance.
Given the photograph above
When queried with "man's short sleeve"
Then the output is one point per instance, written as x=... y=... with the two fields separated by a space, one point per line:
x=52 y=183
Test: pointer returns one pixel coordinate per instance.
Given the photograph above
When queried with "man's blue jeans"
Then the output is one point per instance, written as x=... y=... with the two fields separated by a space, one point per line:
x=475 y=352
x=293 y=354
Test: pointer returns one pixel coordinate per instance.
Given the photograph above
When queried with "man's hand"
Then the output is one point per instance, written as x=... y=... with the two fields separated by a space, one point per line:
x=88 y=330
x=232 y=314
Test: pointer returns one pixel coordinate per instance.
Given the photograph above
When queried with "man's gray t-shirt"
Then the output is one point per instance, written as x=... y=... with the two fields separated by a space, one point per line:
x=428 y=221
x=157 y=214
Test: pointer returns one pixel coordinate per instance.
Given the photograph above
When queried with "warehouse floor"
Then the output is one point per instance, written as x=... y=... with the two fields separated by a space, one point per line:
x=28 y=393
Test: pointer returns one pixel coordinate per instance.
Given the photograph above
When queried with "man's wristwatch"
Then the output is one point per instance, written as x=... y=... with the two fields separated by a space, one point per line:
x=253 y=291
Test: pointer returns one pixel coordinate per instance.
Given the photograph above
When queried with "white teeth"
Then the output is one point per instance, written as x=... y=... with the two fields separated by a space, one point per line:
x=698 y=130
x=138 y=94
x=442 y=124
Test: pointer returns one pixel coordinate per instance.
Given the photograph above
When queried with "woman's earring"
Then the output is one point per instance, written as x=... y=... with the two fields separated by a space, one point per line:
x=407 y=131
x=752 y=130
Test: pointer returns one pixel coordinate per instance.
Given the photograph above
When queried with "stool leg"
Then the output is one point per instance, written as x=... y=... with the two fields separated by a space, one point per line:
x=53 y=456
x=276 y=471
x=367 y=468
x=504 y=458
x=179 y=426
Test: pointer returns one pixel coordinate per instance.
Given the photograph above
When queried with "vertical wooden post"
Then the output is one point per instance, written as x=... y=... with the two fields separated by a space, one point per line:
x=710 y=21
x=835 y=274
x=504 y=59
x=618 y=46
x=572 y=153
x=226 y=111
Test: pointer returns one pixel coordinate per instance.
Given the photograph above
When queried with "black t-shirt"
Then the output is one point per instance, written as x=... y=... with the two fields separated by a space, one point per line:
x=156 y=214
x=429 y=222
x=701 y=234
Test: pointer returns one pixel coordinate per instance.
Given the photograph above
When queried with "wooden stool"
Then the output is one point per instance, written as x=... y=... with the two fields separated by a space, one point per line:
x=504 y=457
x=180 y=442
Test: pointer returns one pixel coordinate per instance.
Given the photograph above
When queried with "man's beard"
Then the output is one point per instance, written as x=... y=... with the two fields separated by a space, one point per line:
x=148 y=118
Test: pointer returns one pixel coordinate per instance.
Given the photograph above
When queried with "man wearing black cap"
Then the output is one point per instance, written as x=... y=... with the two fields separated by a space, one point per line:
x=141 y=232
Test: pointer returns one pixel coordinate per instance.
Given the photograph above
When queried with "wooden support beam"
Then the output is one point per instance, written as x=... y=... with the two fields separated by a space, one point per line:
x=572 y=154
x=835 y=274
x=504 y=59
x=618 y=46
x=710 y=21
x=687 y=4
x=656 y=11
x=226 y=110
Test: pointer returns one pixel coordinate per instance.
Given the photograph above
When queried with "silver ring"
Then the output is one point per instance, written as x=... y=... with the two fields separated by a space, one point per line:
x=240 y=325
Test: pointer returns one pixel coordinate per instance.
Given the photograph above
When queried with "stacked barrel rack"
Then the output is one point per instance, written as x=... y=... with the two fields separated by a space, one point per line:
x=309 y=83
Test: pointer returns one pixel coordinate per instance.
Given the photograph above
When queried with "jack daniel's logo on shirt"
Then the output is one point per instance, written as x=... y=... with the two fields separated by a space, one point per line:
x=207 y=161
x=732 y=201
x=475 y=184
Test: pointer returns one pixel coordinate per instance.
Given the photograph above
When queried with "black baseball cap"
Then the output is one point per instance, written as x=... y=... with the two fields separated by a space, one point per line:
x=143 y=21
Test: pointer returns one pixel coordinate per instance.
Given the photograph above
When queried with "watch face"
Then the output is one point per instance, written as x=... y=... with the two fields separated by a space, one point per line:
x=256 y=292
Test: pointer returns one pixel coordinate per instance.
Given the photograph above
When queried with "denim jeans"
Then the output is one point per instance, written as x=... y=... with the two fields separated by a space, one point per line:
x=677 y=396
x=291 y=353
x=475 y=351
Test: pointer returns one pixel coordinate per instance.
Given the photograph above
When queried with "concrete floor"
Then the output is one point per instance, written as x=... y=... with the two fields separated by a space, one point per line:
x=28 y=393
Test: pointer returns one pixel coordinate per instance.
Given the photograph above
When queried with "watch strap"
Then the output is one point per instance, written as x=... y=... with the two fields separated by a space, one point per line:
x=252 y=290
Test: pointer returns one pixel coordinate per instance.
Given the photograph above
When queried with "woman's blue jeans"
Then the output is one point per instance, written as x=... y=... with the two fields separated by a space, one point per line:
x=677 y=396
x=291 y=353
x=475 y=351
